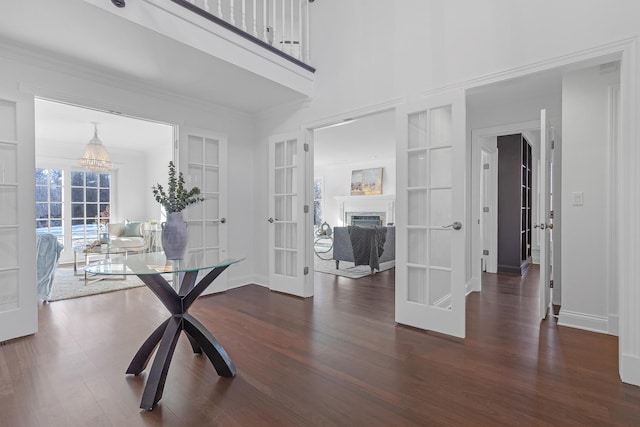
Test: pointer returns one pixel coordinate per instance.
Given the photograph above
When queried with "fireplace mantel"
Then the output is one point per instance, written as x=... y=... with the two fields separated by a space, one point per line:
x=358 y=199
x=361 y=204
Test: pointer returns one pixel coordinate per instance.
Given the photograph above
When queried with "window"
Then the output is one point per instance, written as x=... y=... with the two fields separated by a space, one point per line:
x=49 y=190
x=90 y=200
x=318 y=190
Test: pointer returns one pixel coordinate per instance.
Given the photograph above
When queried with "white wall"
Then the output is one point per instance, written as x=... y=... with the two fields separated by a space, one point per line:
x=585 y=169
x=337 y=183
x=52 y=79
x=160 y=156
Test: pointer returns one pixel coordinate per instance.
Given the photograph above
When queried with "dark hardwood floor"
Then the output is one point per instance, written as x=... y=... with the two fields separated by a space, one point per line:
x=335 y=359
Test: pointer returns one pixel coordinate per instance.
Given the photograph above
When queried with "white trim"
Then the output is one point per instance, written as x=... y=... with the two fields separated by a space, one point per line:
x=613 y=324
x=43 y=60
x=238 y=282
x=260 y=279
x=353 y=114
x=595 y=55
x=612 y=143
x=584 y=321
x=632 y=369
x=628 y=209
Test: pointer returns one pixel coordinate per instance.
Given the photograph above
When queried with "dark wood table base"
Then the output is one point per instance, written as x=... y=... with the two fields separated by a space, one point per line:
x=165 y=337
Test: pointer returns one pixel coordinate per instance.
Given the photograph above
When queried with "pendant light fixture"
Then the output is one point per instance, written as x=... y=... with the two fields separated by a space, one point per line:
x=96 y=158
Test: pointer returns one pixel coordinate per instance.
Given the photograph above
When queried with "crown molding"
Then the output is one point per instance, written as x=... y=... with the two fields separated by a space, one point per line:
x=42 y=59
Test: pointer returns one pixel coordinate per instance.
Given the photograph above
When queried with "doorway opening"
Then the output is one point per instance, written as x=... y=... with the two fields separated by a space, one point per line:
x=354 y=172
x=569 y=95
x=83 y=208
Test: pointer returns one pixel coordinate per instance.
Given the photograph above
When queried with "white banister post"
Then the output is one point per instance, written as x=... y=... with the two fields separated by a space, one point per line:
x=264 y=21
x=291 y=29
x=255 y=19
x=284 y=6
x=307 y=44
x=273 y=24
x=300 y=56
x=220 y=9
x=244 y=16
x=206 y=5
x=232 y=18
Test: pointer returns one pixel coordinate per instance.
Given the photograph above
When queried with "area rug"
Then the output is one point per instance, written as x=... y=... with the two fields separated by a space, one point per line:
x=66 y=285
x=347 y=269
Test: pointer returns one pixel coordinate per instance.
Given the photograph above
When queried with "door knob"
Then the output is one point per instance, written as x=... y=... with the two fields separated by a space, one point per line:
x=550 y=226
x=270 y=220
x=223 y=220
x=540 y=226
x=456 y=225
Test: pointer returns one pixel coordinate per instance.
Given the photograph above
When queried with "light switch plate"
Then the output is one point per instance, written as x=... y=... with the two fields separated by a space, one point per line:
x=578 y=197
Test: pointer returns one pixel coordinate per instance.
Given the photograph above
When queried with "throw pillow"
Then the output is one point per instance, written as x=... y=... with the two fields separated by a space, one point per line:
x=115 y=228
x=132 y=229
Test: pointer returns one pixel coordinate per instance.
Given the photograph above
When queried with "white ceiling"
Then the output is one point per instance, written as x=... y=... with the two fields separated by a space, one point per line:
x=78 y=32
x=61 y=126
x=364 y=139
x=539 y=85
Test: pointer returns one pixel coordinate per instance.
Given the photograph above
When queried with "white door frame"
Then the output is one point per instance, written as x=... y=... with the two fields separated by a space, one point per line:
x=624 y=179
x=308 y=129
x=487 y=202
x=477 y=137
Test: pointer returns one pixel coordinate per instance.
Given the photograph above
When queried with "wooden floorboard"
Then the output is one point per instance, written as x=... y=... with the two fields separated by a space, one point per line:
x=335 y=359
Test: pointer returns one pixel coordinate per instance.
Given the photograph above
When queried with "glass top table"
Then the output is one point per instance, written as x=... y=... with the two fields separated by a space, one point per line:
x=151 y=263
x=150 y=268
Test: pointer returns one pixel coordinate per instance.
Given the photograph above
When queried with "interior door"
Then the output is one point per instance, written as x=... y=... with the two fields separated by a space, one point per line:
x=203 y=156
x=286 y=220
x=18 y=298
x=545 y=226
x=431 y=163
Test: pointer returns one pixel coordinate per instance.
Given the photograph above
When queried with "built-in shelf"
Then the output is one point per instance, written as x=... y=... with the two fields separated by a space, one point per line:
x=514 y=204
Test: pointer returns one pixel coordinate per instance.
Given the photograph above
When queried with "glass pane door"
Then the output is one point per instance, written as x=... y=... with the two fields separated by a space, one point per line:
x=206 y=169
x=286 y=219
x=430 y=270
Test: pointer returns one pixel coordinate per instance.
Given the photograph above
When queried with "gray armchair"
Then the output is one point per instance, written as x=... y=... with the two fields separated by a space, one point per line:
x=48 y=251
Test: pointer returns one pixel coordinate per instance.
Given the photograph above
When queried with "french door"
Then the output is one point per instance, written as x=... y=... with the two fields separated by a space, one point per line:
x=287 y=219
x=545 y=226
x=18 y=298
x=430 y=265
x=203 y=161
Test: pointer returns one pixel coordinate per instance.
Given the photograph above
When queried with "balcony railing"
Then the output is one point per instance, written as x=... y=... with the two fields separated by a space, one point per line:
x=278 y=25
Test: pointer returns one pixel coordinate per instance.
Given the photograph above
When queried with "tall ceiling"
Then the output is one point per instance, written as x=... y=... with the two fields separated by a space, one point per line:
x=78 y=32
x=66 y=130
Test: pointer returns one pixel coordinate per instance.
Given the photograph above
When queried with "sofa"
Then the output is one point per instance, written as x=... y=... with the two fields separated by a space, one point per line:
x=48 y=251
x=127 y=235
x=370 y=237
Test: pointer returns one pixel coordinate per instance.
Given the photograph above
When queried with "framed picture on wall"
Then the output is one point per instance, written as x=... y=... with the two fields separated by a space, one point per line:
x=366 y=182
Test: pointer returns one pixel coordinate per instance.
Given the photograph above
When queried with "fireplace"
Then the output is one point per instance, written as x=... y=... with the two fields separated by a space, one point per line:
x=365 y=219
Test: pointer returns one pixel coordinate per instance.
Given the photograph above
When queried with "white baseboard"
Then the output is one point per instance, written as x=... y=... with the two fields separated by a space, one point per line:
x=535 y=255
x=613 y=324
x=238 y=282
x=587 y=322
x=630 y=369
x=473 y=285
